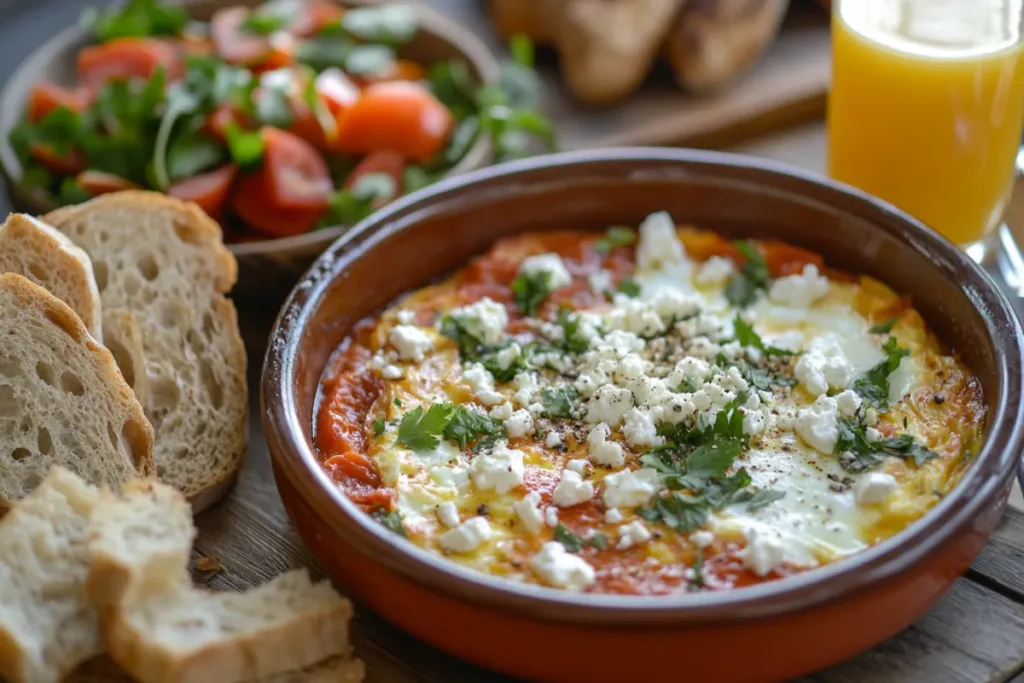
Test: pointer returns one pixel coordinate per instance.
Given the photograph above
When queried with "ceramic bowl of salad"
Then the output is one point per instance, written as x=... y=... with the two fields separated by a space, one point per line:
x=286 y=121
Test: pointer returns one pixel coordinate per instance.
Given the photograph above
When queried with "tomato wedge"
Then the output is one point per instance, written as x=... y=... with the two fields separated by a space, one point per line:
x=338 y=90
x=69 y=163
x=391 y=163
x=46 y=96
x=124 y=58
x=208 y=190
x=253 y=204
x=398 y=115
x=317 y=14
x=235 y=45
x=100 y=182
x=296 y=176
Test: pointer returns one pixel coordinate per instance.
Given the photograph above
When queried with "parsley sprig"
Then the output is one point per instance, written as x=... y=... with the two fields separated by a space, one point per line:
x=858 y=454
x=531 y=290
x=873 y=386
x=745 y=334
x=560 y=402
x=615 y=237
x=574 y=543
x=391 y=519
x=742 y=288
x=423 y=431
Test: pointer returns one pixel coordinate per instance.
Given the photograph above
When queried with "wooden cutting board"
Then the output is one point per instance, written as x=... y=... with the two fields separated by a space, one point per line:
x=787 y=86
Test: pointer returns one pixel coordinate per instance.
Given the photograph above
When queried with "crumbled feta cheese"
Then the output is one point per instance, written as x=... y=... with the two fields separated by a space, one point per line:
x=466 y=537
x=485 y=319
x=502 y=412
x=499 y=468
x=602 y=451
x=572 y=490
x=630 y=489
x=659 y=244
x=823 y=365
x=764 y=550
x=450 y=477
x=702 y=538
x=634 y=315
x=753 y=422
x=579 y=466
x=392 y=372
x=448 y=514
x=519 y=424
x=406 y=317
x=874 y=488
x=872 y=435
x=526 y=386
x=609 y=404
x=551 y=264
x=600 y=281
x=800 y=290
x=639 y=429
x=612 y=516
x=633 y=534
x=847 y=403
x=508 y=355
x=617 y=343
x=553 y=439
x=871 y=417
x=818 y=424
x=528 y=510
x=482 y=383
x=557 y=567
x=412 y=343
x=676 y=408
x=551 y=516
x=689 y=369
x=791 y=340
x=715 y=271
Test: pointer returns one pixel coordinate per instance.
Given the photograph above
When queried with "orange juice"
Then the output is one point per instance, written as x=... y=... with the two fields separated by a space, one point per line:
x=927 y=106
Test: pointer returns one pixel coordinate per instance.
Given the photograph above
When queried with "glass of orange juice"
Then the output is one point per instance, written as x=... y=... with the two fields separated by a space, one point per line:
x=927 y=107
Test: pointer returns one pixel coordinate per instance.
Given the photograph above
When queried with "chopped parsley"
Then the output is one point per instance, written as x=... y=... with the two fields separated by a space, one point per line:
x=629 y=287
x=857 y=454
x=873 y=386
x=530 y=290
x=470 y=346
x=421 y=431
x=378 y=427
x=467 y=427
x=507 y=373
x=572 y=341
x=571 y=541
x=756 y=376
x=599 y=541
x=884 y=328
x=559 y=402
x=615 y=237
x=698 y=570
x=390 y=519
x=742 y=288
x=745 y=334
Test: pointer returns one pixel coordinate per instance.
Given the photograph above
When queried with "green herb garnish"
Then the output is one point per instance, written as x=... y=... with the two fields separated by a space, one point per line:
x=137 y=18
x=615 y=237
x=742 y=287
x=467 y=427
x=559 y=403
x=378 y=427
x=629 y=287
x=873 y=386
x=572 y=342
x=862 y=455
x=884 y=328
x=745 y=334
x=421 y=431
x=390 y=519
x=571 y=541
x=530 y=290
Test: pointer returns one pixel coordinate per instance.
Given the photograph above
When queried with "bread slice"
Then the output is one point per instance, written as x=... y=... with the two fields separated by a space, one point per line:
x=334 y=670
x=139 y=543
x=195 y=636
x=62 y=399
x=162 y=260
x=47 y=626
x=121 y=334
x=36 y=251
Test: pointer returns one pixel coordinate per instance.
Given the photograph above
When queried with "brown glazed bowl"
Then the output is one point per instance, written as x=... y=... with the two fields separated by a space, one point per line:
x=265 y=267
x=767 y=632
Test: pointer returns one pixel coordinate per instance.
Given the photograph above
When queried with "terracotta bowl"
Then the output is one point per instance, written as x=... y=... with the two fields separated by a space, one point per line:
x=267 y=266
x=767 y=632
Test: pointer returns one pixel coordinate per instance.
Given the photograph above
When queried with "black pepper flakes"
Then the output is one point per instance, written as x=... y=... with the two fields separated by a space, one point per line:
x=482 y=511
x=939 y=398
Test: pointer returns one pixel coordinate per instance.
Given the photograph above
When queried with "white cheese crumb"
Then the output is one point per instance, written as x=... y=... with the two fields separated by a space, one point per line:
x=639 y=429
x=753 y=422
x=406 y=317
x=553 y=439
x=871 y=417
x=528 y=510
x=499 y=468
x=412 y=343
x=874 y=488
x=818 y=424
x=631 y=488
x=823 y=365
x=800 y=290
x=764 y=551
x=508 y=355
x=450 y=477
x=485 y=319
x=579 y=466
x=600 y=281
x=872 y=434
x=702 y=538
x=482 y=383
x=392 y=372
x=572 y=490
x=847 y=403
x=715 y=271
x=612 y=516
x=633 y=534
x=551 y=516
x=659 y=244
x=519 y=424
x=557 y=567
x=526 y=385
x=466 y=537
x=502 y=412
x=448 y=514
x=609 y=404
x=602 y=451
x=634 y=315
x=551 y=264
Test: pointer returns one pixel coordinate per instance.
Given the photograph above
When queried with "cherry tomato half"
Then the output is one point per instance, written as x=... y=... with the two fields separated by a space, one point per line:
x=398 y=115
x=338 y=93
x=46 y=96
x=208 y=190
x=232 y=42
x=123 y=58
x=100 y=182
x=316 y=15
x=69 y=163
x=253 y=204
x=296 y=176
x=391 y=163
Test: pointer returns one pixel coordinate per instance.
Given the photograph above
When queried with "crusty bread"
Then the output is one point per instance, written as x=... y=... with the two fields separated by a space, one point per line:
x=163 y=260
x=47 y=626
x=194 y=636
x=334 y=670
x=139 y=543
x=62 y=399
x=36 y=251
x=121 y=334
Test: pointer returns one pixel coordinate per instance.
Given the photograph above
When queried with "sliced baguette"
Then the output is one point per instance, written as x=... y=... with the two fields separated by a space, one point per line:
x=197 y=636
x=36 y=251
x=47 y=626
x=334 y=670
x=139 y=543
x=121 y=334
x=163 y=261
x=62 y=399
